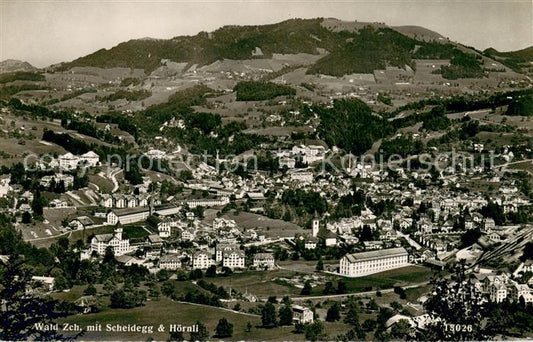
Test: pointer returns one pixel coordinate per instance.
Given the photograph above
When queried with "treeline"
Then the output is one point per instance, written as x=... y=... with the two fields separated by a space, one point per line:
x=463 y=65
x=403 y=146
x=38 y=111
x=7 y=91
x=193 y=295
x=229 y=42
x=260 y=91
x=521 y=105
x=73 y=145
x=90 y=129
x=305 y=202
x=129 y=95
x=21 y=76
x=351 y=125
x=367 y=50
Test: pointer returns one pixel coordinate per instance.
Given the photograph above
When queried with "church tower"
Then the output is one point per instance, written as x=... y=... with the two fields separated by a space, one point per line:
x=316 y=226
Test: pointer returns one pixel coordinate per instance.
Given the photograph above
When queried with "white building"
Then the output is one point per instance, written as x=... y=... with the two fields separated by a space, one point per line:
x=90 y=159
x=304 y=177
x=264 y=260
x=301 y=314
x=68 y=161
x=360 y=264
x=201 y=260
x=4 y=185
x=224 y=247
x=498 y=293
x=207 y=202
x=170 y=262
x=233 y=259
x=67 y=180
x=128 y=215
x=164 y=227
x=120 y=246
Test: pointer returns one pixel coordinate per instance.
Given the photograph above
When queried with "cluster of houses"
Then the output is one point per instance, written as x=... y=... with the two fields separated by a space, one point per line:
x=69 y=161
x=225 y=255
x=499 y=287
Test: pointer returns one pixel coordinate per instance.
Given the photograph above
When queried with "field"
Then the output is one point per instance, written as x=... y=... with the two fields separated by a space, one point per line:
x=261 y=224
x=261 y=284
x=287 y=281
x=165 y=312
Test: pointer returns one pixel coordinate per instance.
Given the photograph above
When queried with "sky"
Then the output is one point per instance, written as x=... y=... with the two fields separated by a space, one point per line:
x=45 y=32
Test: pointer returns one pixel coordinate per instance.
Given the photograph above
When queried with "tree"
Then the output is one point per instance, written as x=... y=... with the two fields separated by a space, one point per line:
x=268 y=316
x=224 y=328
x=396 y=306
x=61 y=283
x=211 y=271
x=314 y=331
x=401 y=329
x=328 y=288
x=176 y=336
x=307 y=289
x=352 y=316
x=320 y=265
x=109 y=256
x=90 y=290
x=285 y=315
x=38 y=203
x=109 y=287
x=400 y=292
x=248 y=327
x=333 y=313
x=369 y=325
x=463 y=305
x=341 y=287
x=26 y=217
x=196 y=274
x=201 y=334
x=22 y=311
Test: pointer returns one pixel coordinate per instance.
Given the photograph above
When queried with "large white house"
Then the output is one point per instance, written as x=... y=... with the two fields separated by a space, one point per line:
x=4 y=185
x=68 y=161
x=120 y=246
x=360 y=264
x=233 y=259
x=201 y=260
x=301 y=314
x=170 y=262
x=264 y=260
x=221 y=248
x=90 y=158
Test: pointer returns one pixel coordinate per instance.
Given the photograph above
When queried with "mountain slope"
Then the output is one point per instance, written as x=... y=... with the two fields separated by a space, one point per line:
x=516 y=60
x=230 y=42
x=13 y=65
x=353 y=47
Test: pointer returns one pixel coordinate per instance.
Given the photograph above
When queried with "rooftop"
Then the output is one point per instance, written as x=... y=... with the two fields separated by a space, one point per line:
x=384 y=253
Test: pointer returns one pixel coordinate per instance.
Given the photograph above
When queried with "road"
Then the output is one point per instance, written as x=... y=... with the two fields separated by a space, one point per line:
x=358 y=294
x=64 y=233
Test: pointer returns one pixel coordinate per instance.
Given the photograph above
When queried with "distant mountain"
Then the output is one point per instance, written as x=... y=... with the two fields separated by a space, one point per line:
x=13 y=65
x=520 y=60
x=352 y=47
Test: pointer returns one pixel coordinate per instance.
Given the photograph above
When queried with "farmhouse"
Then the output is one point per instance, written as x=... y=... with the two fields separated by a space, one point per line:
x=170 y=262
x=360 y=264
x=301 y=314
x=264 y=260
